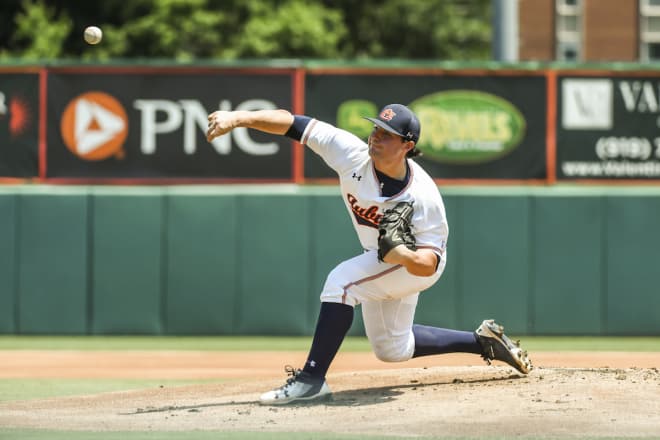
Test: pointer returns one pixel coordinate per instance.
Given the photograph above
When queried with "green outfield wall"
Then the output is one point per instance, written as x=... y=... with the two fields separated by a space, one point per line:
x=252 y=259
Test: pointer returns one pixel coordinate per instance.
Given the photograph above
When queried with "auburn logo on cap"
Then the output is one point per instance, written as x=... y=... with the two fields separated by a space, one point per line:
x=387 y=114
x=94 y=126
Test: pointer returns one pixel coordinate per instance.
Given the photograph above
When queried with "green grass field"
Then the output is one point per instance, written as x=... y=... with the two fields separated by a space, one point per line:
x=23 y=389
x=254 y=343
x=26 y=389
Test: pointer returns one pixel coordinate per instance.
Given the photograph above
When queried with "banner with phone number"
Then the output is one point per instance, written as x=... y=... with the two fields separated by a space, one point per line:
x=608 y=127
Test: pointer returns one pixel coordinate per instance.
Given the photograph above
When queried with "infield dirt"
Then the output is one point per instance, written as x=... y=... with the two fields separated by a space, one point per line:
x=567 y=395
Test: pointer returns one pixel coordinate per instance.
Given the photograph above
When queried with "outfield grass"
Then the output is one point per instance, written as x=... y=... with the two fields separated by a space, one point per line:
x=260 y=343
x=26 y=389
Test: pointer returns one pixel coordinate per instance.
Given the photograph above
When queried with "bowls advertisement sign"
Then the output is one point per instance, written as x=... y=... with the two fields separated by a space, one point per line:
x=464 y=127
x=472 y=127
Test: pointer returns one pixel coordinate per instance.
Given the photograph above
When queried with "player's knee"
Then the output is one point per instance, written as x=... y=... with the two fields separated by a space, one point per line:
x=391 y=353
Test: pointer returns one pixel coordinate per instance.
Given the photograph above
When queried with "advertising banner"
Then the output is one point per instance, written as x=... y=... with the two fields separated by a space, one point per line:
x=472 y=126
x=608 y=127
x=19 y=124
x=146 y=125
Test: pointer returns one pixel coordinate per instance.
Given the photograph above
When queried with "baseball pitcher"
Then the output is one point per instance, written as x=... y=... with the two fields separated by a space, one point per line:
x=399 y=217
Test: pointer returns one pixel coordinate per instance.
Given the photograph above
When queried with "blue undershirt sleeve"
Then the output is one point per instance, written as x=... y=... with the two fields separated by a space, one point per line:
x=297 y=129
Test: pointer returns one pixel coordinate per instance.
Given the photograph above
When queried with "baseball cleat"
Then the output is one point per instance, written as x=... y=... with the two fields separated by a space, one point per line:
x=497 y=346
x=299 y=386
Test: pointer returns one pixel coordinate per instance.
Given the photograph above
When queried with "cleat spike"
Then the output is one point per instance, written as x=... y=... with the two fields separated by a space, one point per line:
x=497 y=346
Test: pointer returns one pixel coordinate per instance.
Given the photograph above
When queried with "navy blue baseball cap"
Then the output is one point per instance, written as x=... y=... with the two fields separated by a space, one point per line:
x=400 y=120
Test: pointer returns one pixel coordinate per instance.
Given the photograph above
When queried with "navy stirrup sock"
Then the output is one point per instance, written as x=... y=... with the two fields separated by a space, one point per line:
x=433 y=340
x=334 y=322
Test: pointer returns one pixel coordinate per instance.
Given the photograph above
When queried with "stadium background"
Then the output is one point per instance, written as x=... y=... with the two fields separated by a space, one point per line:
x=156 y=235
x=141 y=248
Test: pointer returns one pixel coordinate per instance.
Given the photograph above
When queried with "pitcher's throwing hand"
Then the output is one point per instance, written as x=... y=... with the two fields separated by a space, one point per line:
x=219 y=124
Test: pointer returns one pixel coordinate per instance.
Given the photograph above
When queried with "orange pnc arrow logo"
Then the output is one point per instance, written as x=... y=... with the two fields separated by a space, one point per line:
x=94 y=126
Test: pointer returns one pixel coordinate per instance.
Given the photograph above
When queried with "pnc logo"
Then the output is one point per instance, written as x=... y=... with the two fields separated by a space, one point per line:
x=94 y=126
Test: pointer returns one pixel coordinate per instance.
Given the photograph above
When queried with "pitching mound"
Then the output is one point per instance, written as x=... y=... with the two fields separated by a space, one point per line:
x=433 y=401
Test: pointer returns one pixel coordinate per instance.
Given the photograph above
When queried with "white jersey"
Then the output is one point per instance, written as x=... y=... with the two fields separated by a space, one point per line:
x=349 y=156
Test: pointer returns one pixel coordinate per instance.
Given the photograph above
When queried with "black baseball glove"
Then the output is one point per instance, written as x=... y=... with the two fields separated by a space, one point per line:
x=394 y=229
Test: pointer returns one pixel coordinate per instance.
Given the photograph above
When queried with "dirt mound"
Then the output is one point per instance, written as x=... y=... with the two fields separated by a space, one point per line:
x=433 y=401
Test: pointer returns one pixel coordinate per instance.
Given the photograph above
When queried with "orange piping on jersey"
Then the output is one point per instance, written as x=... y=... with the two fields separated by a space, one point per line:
x=308 y=131
x=373 y=171
x=363 y=280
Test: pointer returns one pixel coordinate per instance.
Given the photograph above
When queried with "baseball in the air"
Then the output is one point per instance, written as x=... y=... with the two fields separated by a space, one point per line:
x=93 y=34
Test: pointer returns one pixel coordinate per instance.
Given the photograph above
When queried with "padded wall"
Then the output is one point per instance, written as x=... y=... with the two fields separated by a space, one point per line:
x=8 y=263
x=52 y=263
x=224 y=260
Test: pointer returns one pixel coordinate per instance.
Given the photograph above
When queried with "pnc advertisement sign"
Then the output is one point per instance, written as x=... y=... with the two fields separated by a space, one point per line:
x=143 y=126
x=490 y=127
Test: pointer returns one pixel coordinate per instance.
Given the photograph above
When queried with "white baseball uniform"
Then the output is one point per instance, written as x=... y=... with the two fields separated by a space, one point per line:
x=387 y=293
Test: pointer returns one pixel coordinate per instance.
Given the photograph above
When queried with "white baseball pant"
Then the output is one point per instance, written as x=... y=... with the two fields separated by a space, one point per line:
x=388 y=295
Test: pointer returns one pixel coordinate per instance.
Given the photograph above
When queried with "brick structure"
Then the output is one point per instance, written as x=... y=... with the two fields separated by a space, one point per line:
x=608 y=30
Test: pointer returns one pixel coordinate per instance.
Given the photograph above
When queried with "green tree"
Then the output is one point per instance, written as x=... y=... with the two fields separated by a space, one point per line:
x=39 y=32
x=292 y=29
x=178 y=29
x=240 y=29
x=420 y=29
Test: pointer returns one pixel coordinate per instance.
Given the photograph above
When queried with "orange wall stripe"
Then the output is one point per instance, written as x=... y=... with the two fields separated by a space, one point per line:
x=551 y=127
x=298 y=153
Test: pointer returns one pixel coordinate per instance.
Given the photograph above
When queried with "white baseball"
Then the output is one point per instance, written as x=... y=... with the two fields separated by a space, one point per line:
x=93 y=34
